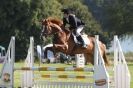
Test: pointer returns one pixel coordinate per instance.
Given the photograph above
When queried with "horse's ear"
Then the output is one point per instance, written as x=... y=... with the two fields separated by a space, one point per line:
x=48 y=20
x=44 y=21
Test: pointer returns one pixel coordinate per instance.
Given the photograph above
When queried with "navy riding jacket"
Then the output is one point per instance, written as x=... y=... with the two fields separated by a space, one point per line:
x=73 y=21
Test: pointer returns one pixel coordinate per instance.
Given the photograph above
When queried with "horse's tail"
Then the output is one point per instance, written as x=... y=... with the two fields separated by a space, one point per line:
x=106 y=59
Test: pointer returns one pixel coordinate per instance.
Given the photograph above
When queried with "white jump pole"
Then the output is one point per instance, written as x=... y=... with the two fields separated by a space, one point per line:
x=122 y=76
x=39 y=53
x=28 y=76
x=101 y=76
x=7 y=72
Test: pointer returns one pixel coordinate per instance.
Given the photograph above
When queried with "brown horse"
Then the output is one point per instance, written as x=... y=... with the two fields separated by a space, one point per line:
x=63 y=41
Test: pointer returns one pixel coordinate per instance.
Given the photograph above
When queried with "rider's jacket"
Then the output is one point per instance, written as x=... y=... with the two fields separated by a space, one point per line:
x=73 y=21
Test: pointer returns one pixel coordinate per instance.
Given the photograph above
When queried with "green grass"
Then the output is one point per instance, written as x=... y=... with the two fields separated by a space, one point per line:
x=17 y=74
x=130 y=66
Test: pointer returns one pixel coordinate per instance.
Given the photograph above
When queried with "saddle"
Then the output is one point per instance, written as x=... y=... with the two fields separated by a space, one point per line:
x=76 y=41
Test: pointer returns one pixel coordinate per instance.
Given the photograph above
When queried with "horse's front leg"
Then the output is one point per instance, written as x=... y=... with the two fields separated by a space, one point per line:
x=61 y=47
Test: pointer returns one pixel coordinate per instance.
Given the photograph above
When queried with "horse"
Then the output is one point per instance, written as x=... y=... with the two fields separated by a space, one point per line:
x=63 y=41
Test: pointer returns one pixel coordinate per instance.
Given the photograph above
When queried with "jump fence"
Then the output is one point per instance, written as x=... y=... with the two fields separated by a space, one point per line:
x=100 y=75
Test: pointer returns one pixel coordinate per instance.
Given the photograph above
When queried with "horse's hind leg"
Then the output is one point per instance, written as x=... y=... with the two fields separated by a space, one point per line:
x=89 y=58
x=105 y=59
x=103 y=49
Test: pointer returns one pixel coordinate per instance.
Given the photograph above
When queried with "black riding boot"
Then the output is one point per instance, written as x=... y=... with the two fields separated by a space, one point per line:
x=79 y=38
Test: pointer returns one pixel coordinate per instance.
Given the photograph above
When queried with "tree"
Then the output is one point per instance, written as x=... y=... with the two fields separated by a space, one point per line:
x=21 y=18
x=120 y=17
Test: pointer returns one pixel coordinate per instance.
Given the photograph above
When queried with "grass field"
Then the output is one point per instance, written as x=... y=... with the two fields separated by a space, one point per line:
x=17 y=74
x=130 y=66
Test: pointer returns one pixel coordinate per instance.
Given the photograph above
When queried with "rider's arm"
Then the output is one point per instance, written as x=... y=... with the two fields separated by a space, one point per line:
x=72 y=22
x=65 y=21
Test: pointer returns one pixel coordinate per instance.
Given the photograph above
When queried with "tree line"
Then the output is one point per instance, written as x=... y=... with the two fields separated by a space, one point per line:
x=21 y=18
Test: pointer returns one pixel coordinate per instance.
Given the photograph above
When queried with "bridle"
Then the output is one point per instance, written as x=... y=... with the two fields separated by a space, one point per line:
x=47 y=29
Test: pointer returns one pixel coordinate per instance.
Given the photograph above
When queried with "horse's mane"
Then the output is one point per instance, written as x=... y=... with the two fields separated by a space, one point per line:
x=55 y=21
x=59 y=22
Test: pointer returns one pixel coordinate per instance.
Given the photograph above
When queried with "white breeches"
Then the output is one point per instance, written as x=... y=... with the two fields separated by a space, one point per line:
x=78 y=30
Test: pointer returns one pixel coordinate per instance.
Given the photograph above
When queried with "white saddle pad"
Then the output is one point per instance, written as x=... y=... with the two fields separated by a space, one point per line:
x=86 y=39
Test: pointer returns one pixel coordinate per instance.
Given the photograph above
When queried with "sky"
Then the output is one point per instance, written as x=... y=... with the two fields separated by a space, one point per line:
x=126 y=44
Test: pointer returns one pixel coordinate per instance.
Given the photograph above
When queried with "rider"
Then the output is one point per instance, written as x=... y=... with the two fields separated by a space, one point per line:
x=75 y=24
